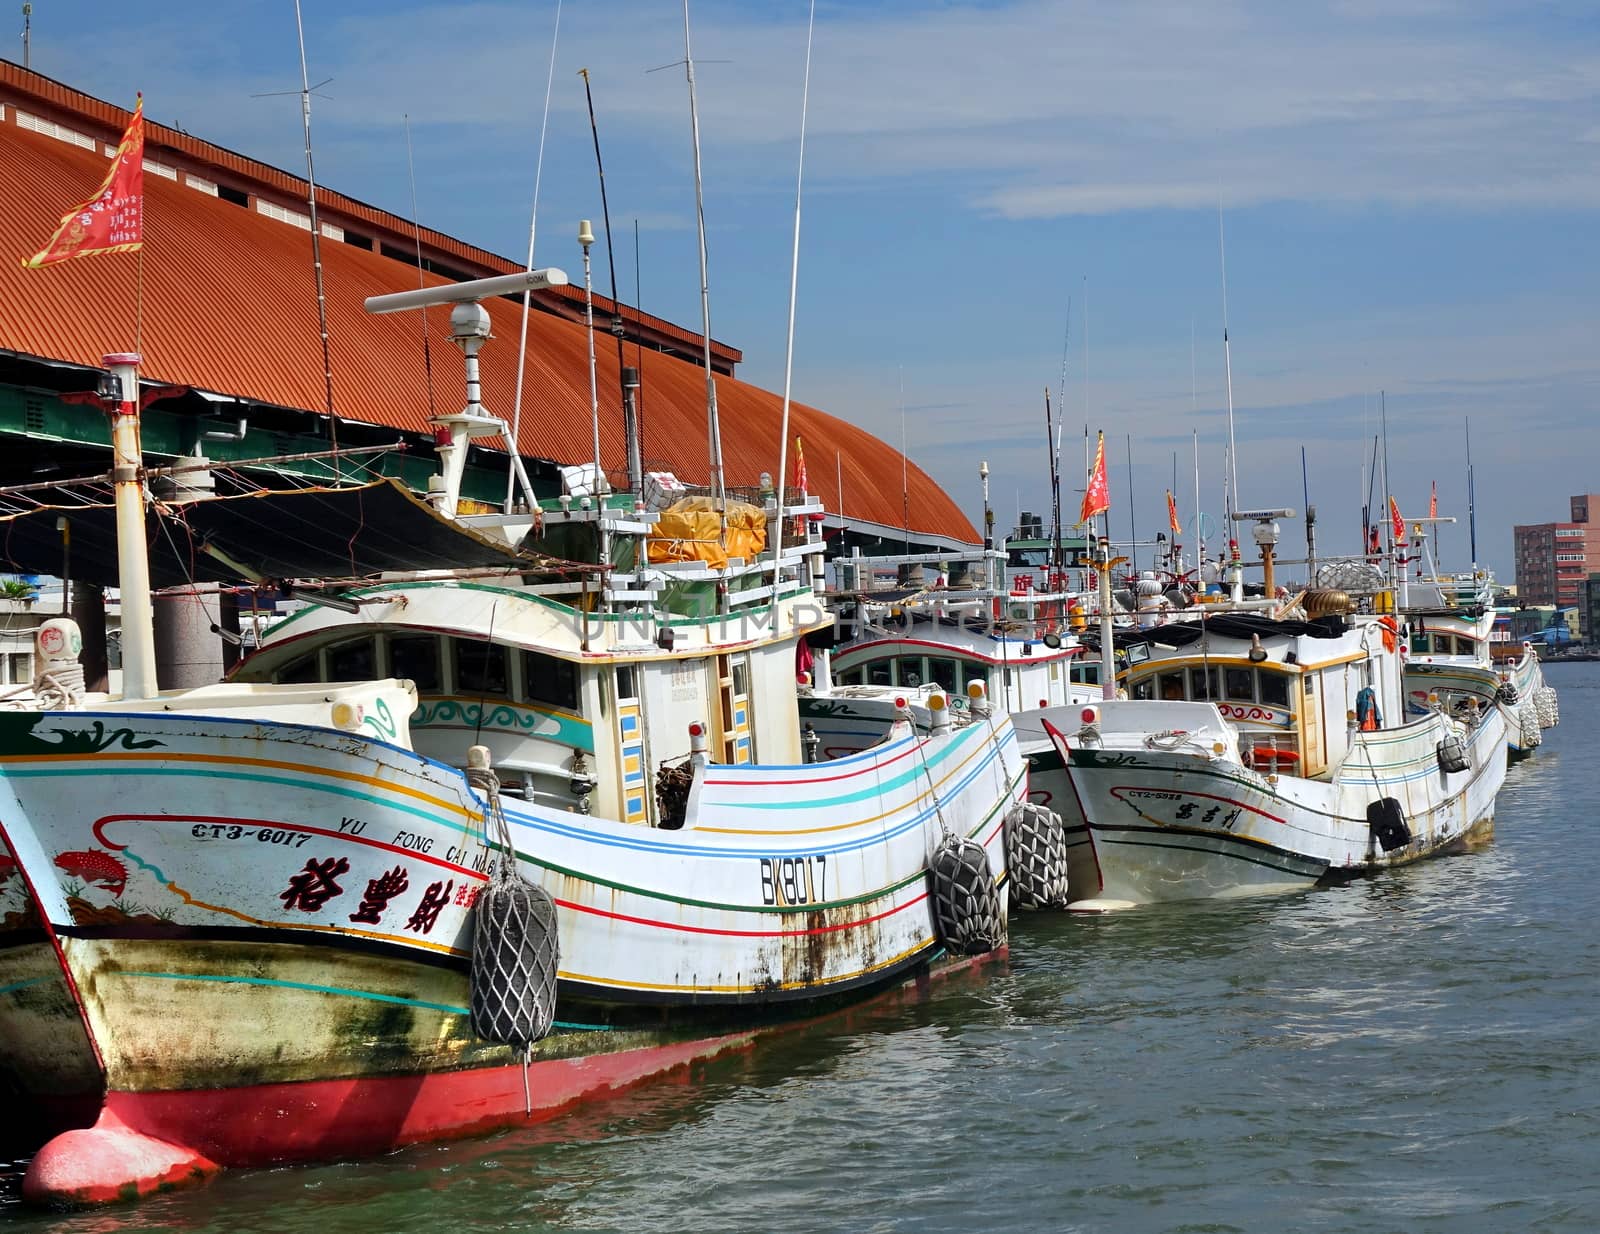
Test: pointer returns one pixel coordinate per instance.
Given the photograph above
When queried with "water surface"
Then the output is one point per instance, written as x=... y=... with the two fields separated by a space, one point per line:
x=1414 y=1051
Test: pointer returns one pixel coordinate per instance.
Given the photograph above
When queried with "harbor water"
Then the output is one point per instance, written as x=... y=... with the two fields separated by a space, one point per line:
x=1415 y=1051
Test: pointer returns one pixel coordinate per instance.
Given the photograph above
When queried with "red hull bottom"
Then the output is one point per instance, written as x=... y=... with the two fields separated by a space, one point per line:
x=148 y=1142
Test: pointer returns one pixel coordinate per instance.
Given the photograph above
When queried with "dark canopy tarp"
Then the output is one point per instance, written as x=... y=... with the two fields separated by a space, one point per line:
x=1228 y=625
x=314 y=533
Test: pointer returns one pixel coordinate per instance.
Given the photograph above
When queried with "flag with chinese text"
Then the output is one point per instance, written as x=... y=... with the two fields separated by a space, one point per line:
x=1097 y=497
x=112 y=221
x=1433 y=501
x=1398 y=522
x=1172 y=515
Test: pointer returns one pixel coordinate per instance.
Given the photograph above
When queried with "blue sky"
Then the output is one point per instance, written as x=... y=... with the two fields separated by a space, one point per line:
x=1410 y=186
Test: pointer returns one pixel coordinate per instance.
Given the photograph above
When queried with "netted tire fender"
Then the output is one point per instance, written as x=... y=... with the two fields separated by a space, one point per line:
x=1036 y=857
x=966 y=905
x=1453 y=755
x=515 y=954
x=1531 y=736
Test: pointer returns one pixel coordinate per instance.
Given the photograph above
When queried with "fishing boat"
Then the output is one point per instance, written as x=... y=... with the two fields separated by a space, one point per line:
x=1449 y=623
x=474 y=834
x=1260 y=751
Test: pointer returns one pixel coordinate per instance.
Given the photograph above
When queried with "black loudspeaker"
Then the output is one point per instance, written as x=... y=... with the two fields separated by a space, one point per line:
x=1388 y=823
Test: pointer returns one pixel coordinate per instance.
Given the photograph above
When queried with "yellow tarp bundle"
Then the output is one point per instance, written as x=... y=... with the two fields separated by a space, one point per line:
x=689 y=530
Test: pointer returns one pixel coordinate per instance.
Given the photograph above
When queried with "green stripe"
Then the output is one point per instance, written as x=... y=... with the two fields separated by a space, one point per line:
x=302 y=985
x=876 y=789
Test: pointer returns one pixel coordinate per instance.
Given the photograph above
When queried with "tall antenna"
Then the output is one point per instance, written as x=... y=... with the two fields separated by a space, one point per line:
x=27 y=34
x=533 y=231
x=316 y=240
x=416 y=231
x=1133 y=531
x=1052 y=440
x=1472 y=507
x=713 y=426
x=1227 y=360
x=794 y=283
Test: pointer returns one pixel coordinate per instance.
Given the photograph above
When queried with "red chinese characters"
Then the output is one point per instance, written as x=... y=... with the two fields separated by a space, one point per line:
x=379 y=892
x=315 y=885
x=427 y=912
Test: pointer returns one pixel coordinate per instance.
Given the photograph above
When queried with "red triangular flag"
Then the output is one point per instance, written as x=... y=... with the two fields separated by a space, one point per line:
x=112 y=221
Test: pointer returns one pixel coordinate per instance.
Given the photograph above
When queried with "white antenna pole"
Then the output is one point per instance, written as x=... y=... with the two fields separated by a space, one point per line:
x=1227 y=360
x=1199 y=537
x=713 y=427
x=316 y=237
x=794 y=283
x=533 y=229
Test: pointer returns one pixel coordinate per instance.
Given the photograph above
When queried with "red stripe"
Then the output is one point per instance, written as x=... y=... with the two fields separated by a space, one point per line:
x=689 y=929
x=410 y=853
x=1041 y=655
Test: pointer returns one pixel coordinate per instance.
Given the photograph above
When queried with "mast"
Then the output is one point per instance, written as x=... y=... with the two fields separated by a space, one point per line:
x=719 y=492
x=1055 y=496
x=133 y=562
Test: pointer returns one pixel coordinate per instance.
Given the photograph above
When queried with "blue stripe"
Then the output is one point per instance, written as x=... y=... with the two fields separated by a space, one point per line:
x=23 y=985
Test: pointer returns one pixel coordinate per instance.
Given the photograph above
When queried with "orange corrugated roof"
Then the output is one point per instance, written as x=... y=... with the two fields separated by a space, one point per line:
x=229 y=306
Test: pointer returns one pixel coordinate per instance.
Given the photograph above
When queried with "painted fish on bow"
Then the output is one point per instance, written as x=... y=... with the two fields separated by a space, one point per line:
x=100 y=869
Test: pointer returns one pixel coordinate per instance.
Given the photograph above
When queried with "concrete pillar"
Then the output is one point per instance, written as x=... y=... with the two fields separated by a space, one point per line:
x=89 y=611
x=188 y=649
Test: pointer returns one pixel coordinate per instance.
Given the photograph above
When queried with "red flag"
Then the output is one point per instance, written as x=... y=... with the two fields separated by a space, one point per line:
x=1097 y=497
x=1433 y=501
x=1398 y=522
x=1172 y=515
x=803 y=483
x=112 y=221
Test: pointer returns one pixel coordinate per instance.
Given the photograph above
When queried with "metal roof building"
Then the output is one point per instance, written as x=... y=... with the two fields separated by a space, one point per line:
x=229 y=310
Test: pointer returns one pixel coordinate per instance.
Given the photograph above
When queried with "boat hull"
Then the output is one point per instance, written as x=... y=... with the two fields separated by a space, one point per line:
x=278 y=919
x=1160 y=825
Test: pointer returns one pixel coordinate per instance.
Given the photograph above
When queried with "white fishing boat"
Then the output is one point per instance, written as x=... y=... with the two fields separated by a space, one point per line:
x=1256 y=754
x=1448 y=625
x=476 y=833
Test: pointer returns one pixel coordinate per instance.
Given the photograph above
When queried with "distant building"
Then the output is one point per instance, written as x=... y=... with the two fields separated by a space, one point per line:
x=1591 y=609
x=1555 y=559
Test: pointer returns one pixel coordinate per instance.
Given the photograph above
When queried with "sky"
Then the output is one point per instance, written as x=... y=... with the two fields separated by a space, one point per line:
x=1007 y=196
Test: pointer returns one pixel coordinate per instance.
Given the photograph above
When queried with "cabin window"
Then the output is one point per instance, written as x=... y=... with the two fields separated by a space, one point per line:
x=1275 y=689
x=1422 y=644
x=975 y=672
x=1306 y=686
x=879 y=673
x=480 y=667
x=853 y=677
x=1172 y=687
x=741 y=679
x=552 y=680
x=356 y=660
x=297 y=671
x=416 y=657
x=1145 y=687
x=943 y=673
x=1239 y=685
x=627 y=682
x=910 y=670
x=1202 y=684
